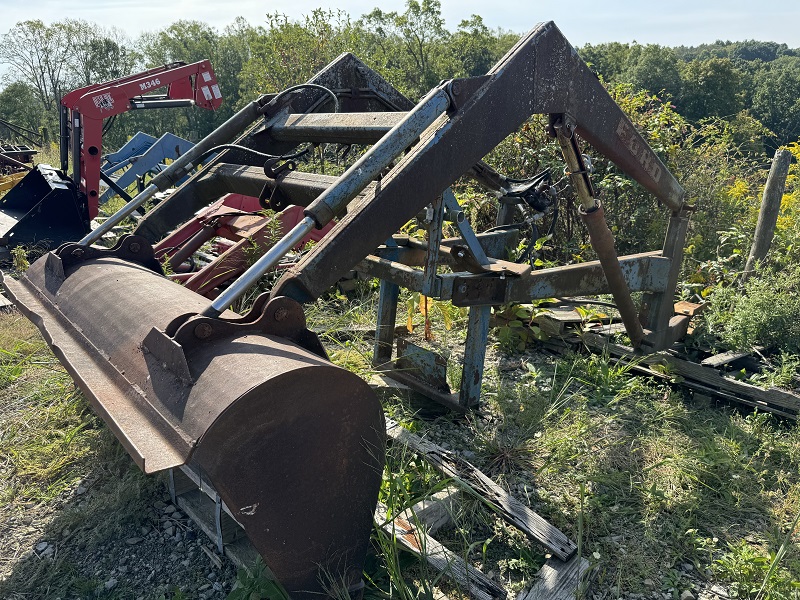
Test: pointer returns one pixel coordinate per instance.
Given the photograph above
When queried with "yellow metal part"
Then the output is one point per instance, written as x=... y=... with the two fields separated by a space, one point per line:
x=9 y=181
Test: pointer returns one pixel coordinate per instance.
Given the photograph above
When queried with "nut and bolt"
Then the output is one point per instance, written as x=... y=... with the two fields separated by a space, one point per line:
x=203 y=331
x=281 y=314
x=134 y=247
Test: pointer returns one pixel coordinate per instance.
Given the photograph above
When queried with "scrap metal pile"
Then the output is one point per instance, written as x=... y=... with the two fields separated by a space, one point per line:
x=289 y=445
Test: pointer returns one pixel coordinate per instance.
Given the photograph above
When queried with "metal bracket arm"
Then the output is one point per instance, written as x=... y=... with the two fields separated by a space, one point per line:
x=541 y=74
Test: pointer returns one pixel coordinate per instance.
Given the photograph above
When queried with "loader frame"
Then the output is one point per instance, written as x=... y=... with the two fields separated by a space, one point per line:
x=179 y=379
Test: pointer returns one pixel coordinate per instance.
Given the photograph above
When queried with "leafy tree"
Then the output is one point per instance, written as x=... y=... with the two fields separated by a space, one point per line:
x=776 y=98
x=289 y=52
x=233 y=53
x=39 y=55
x=20 y=106
x=472 y=46
x=751 y=50
x=101 y=55
x=412 y=45
x=711 y=87
x=609 y=60
x=185 y=41
x=654 y=68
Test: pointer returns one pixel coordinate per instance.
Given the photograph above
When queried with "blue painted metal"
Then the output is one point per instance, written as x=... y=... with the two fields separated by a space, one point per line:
x=465 y=229
x=426 y=365
x=142 y=154
x=135 y=146
x=432 y=284
x=474 y=354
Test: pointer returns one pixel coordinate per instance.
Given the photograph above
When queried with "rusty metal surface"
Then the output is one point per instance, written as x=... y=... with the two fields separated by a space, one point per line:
x=293 y=444
x=541 y=74
x=332 y=128
x=642 y=272
x=657 y=308
x=359 y=88
x=426 y=365
x=602 y=242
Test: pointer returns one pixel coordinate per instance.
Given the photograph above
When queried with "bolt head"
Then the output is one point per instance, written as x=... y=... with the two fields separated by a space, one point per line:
x=135 y=247
x=203 y=331
x=281 y=314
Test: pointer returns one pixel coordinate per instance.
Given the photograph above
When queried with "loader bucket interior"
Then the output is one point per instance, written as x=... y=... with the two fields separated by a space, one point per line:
x=43 y=210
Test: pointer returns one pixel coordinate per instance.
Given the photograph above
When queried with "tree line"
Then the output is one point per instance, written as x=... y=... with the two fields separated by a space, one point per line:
x=714 y=113
x=413 y=50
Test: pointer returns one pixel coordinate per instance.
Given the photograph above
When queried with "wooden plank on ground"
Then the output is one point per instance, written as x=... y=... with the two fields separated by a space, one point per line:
x=786 y=402
x=415 y=540
x=689 y=308
x=724 y=358
x=434 y=512
x=471 y=478
x=610 y=329
x=559 y=580
x=555 y=320
x=5 y=304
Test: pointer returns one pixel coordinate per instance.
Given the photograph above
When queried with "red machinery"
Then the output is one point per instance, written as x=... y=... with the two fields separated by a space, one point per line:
x=83 y=111
x=47 y=207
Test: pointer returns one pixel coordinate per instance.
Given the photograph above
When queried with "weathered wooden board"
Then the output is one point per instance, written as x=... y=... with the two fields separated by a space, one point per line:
x=772 y=399
x=471 y=478
x=555 y=320
x=559 y=580
x=724 y=358
x=5 y=304
x=435 y=512
x=415 y=540
x=610 y=329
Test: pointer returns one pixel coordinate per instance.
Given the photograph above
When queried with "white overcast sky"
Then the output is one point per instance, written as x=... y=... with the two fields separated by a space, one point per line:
x=671 y=22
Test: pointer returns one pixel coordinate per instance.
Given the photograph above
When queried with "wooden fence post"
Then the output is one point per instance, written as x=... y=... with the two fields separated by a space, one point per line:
x=770 y=207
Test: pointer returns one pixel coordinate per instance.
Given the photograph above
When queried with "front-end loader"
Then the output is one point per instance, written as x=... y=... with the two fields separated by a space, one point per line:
x=293 y=445
x=48 y=206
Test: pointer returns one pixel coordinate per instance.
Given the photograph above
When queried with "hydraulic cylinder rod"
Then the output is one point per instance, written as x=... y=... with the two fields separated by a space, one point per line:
x=600 y=236
x=333 y=200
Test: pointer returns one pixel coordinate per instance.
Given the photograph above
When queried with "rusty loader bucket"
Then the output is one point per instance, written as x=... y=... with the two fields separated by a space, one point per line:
x=293 y=444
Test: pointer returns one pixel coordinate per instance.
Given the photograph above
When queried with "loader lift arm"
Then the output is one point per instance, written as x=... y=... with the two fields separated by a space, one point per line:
x=83 y=111
x=541 y=74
